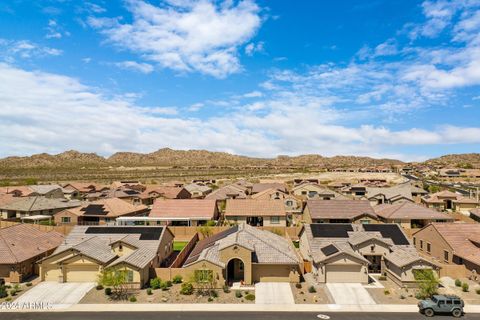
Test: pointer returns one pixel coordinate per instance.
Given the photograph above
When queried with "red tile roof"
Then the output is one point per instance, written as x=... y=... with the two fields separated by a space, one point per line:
x=184 y=208
x=254 y=207
x=408 y=211
x=339 y=209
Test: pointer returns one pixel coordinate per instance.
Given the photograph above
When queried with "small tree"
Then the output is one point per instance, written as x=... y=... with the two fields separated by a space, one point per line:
x=115 y=278
x=204 y=281
x=205 y=231
x=428 y=282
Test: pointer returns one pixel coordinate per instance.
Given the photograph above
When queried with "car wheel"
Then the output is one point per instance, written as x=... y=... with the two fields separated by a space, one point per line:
x=429 y=312
x=457 y=313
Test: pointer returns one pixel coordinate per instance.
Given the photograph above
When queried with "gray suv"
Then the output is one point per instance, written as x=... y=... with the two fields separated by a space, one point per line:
x=442 y=304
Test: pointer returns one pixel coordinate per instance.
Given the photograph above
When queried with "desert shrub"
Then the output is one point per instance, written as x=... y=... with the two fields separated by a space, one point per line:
x=419 y=296
x=214 y=294
x=169 y=283
x=3 y=292
x=298 y=285
x=250 y=297
x=99 y=287
x=164 y=285
x=108 y=291
x=187 y=288
x=402 y=297
x=312 y=289
x=177 y=279
x=133 y=299
x=13 y=292
x=386 y=292
x=477 y=291
x=149 y=291
x=211 y=223
x=458 y=283
x=226 y=289
x=238 y=294
x=465 y=287
x=210 y=299
x=29 y=284
x=155 y=283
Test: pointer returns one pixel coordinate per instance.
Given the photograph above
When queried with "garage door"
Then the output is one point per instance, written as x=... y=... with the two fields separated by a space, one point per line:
x=345 y=273
x=53 y=274
x=82 y=273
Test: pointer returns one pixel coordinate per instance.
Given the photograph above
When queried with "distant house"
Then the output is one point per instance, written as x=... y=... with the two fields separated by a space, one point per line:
x=184 y=212
x=410 y=215
x=246 y=255
x=228 y=192
x=357 y=191
x=128 y=184
x=315 y=191
x=149 y=195
x=78 y=190
x=128 y=195
x=36 y=206
x=21 y=246
x=404 y=192
x=99 y=212
x=198 y=190
x=256 y=212
x=45 y=190
x=259 y=187
x=447 y=200
x=340 y=211
x=347 y=253
x=87 y=250
x=451 y=243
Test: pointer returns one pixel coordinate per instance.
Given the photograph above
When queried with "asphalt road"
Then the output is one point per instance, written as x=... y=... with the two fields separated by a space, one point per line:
x=218 y=316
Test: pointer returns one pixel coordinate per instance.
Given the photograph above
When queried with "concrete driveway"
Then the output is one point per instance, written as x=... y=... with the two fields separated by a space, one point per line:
x=58 y=295
x=349 y=293
x=273 y=293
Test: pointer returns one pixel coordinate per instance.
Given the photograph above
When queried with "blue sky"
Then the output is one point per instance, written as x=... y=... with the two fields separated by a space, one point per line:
x=379 y=78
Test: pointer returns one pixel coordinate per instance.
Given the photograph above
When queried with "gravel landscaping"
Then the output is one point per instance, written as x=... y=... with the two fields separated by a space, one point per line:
x=304 y=295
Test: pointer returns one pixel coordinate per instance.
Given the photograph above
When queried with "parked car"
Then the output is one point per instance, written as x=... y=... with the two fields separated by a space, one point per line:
x=442 y=304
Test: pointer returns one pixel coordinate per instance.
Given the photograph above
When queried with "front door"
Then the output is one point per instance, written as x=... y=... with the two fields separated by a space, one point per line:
x=375 y=265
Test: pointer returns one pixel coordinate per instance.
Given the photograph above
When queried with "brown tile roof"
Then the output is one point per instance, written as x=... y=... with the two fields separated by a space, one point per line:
x=339 y=209
x=6 y=199
x=23 y=241
x=227 y=192
x=113 y=207
x=259 y=187
x=439 y=197
x=168 y=192
x=268 y=193
x=184 y=208
x=408 y=211
x=254 y=207
x=457 y=236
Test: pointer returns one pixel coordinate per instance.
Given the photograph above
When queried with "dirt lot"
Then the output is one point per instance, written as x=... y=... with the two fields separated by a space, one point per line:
x=326 y=177
x=302 y=295
x=169 y=296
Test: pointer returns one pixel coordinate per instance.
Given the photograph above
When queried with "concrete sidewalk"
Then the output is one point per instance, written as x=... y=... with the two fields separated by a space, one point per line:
x=158 y=307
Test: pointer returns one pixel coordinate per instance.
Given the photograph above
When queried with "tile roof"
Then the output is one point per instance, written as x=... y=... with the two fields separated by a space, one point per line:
x=98 y=245
x=409 y=211
x=110 y=207
x=339 y=209
x=37 y=203
x=193 y=187
x=439 y=197
x=267 y=247
x=259 y=187
x=267 y=194
x=227 y=192
x=254 y=207
x=403 y=190
x=21 y=242
x=7 y=198
x=403 y=256
x=184 y=208
x=169 y=192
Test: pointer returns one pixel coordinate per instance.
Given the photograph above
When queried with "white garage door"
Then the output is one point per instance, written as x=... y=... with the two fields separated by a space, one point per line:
x=82 y=273
x=344 y=273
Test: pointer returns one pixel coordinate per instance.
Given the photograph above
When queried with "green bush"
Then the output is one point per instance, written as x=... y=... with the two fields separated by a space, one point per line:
x=402 y=297
x=477 y=291
x=13 y=292
x=177 y=279
x=214 y=294
x=155 y=283
x=164 y=285
x=149 y=291
x=238 y=294
x=298 y=285
x=187 y=288
x=458 y=283
x=99 y=287
x=108 y=291
x=312 y=289
x=3 y=292
x=210 y=299
x=386 y=292
x=250 y=297
x=226 y=289
x=465 y=287
x=169 y=283
x=133 y=299
x=28 y=284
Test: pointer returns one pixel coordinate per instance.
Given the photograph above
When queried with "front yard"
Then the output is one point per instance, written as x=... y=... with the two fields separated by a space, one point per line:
x=392 y=293
x=303 y=293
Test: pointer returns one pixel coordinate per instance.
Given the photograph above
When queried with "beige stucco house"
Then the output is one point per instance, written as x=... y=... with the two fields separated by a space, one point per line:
x=256 y=212
x=339 y=211
x=315 y=191
x=247 y=255
x=89 y=250
x=450 y=201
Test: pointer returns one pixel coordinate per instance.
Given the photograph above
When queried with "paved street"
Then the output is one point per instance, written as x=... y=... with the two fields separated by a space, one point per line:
x=219 y=316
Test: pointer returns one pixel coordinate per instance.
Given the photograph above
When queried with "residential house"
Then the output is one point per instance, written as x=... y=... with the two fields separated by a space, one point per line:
x=131 y=196
x=451 y=243
x=404 y=192
x=184 y=212
x=228 y=192
x=299 y=181
x=410 y=215
x=243 y=254
x=339 y=211
x=315 y=191
x=259 y=187
x=128 y=184
x=198 y=190
x=79 y=190
x=36 y=206
x=447 y=200
x=44 y=190
x=165 y=192
x=101 y=211
x=256 y=212
x=88 y=250
x=348 y=253
x=293 y=205
x=357 y=191
x=21 y=246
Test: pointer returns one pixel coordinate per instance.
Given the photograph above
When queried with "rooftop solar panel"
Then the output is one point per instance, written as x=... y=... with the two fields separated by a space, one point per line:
x=329 y=250
x=331 y=230
x=146 y=233
x=94 y=210
x=391 y=231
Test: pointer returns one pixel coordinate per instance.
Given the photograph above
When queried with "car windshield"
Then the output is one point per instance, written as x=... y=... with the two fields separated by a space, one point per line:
x=434 y=299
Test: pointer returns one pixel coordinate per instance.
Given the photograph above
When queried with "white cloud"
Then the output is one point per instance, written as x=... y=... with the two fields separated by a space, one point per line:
x=186 y=36
x=24 y=49
x=252 y=48
x=136 y=66
x=54 y=31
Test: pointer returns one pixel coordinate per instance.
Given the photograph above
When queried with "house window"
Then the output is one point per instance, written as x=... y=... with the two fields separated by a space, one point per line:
x=445 y=255
x=421 y=244
x=364 y=221
x=304 y=193
x=429 y=247
x=289 y=203
x=129 y=276
x=203 y=275
x=274 y=220
x=66 y=219
x=120 y=247
x=414 y=241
